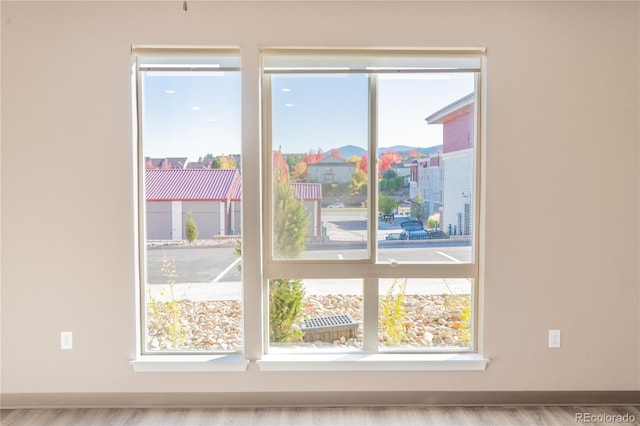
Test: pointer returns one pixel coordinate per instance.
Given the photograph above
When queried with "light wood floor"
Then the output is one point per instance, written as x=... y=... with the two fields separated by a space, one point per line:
x=330 y=416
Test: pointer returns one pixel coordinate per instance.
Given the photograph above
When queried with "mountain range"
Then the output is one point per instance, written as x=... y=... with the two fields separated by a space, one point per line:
x=349 y=151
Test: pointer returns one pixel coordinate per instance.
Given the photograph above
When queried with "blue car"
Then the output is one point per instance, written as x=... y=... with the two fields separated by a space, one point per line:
x=413 y=230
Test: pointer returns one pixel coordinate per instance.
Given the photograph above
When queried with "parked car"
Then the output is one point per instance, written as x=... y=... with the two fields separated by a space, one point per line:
x=336 y=206
x=413 y=230
x=393 y=236
x=402 y=219
x=433 y=234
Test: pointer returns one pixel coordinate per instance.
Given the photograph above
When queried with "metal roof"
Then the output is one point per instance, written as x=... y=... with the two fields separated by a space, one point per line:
x=207 y=185
x=307 y=191
x=302 y=191
x=190 y=184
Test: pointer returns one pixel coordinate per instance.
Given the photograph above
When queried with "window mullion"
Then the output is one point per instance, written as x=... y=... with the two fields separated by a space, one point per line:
x=267 y=160
x=370 y=315
x=373 y=168
x=251 y=199
x=141 y=223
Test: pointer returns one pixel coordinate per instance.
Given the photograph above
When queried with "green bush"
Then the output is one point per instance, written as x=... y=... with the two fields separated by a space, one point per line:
x=434 y=221
x=285 y=309
x=192 y=229
x=166 y=316
x=393 y=314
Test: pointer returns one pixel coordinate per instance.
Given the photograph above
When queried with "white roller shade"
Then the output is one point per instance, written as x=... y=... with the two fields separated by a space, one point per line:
x=187 y=58
x=359 y=60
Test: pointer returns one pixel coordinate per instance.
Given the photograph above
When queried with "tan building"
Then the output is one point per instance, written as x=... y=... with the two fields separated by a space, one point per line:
x=331 y=170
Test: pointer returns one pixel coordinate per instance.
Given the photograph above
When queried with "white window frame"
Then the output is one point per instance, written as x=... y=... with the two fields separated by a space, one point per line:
x=258 y=264
x=314 y=61
x=151 y=58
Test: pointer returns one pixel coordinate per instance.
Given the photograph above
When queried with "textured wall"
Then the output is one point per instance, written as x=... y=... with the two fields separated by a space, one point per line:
x=562 y=85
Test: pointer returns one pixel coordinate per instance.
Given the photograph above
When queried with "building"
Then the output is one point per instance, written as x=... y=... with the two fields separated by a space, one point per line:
x=331 y=169
x=425 y=179
x=457 y=164
x=206 y=193
x=213 y=196
x=166 y=163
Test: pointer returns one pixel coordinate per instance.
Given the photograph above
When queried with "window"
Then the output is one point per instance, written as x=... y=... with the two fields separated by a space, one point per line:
x=369 y=201
x=190 y=200
x=392 y=138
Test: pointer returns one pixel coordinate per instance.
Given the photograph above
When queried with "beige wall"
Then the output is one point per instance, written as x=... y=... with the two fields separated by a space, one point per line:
x=562 y=185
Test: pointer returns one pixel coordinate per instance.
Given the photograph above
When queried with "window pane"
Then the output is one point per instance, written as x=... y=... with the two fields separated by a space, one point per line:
x=192 y=210
x=426 y=166
x=315 y=315
x=320 y=139
x=424 y=314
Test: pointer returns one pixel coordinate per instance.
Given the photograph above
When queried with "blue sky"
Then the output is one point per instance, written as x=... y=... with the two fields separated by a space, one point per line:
x=192 y=114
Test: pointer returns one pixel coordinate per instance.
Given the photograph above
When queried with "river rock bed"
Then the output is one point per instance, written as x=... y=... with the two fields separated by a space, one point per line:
x=437 y=321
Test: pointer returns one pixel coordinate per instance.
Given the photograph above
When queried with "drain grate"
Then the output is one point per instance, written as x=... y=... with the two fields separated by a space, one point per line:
x=329 y=329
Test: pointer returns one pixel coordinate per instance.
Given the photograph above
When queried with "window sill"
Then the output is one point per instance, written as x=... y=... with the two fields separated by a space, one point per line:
x=312 y=362
x=373 y=362
x=189 y=363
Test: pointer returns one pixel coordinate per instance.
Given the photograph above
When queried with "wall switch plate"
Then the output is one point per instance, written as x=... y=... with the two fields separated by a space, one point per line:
x=66 y=340
x=554 y=338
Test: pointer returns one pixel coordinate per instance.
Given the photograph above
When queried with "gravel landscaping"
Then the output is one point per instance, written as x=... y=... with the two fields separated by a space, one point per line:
x=430 y=321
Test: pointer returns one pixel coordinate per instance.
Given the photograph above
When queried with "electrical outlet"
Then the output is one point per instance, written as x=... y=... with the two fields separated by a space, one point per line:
x=554 y=338
x=66 y=340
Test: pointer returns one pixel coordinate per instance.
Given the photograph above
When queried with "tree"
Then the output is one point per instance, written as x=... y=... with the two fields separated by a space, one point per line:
x=313 y=157
x=390 y=174
x=391 y=182
x=290 y=222
x=292 y=161
x=353 y=159
x=417 y=208
x=192 y=229
x=363 y=164
x=387 y=205
x=224 y=162
x=359 y=182
x=299 y=172
x=387 y=159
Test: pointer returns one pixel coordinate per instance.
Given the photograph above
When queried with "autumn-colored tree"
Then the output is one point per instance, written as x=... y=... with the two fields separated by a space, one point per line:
x=335 y=153
x=292 y=160
x=299 y=172
x=413 y=153
x=224 y=162
x=313 y=157
x=386 y=160
x=280 y=167
x=359 y=182
x=363 y=164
